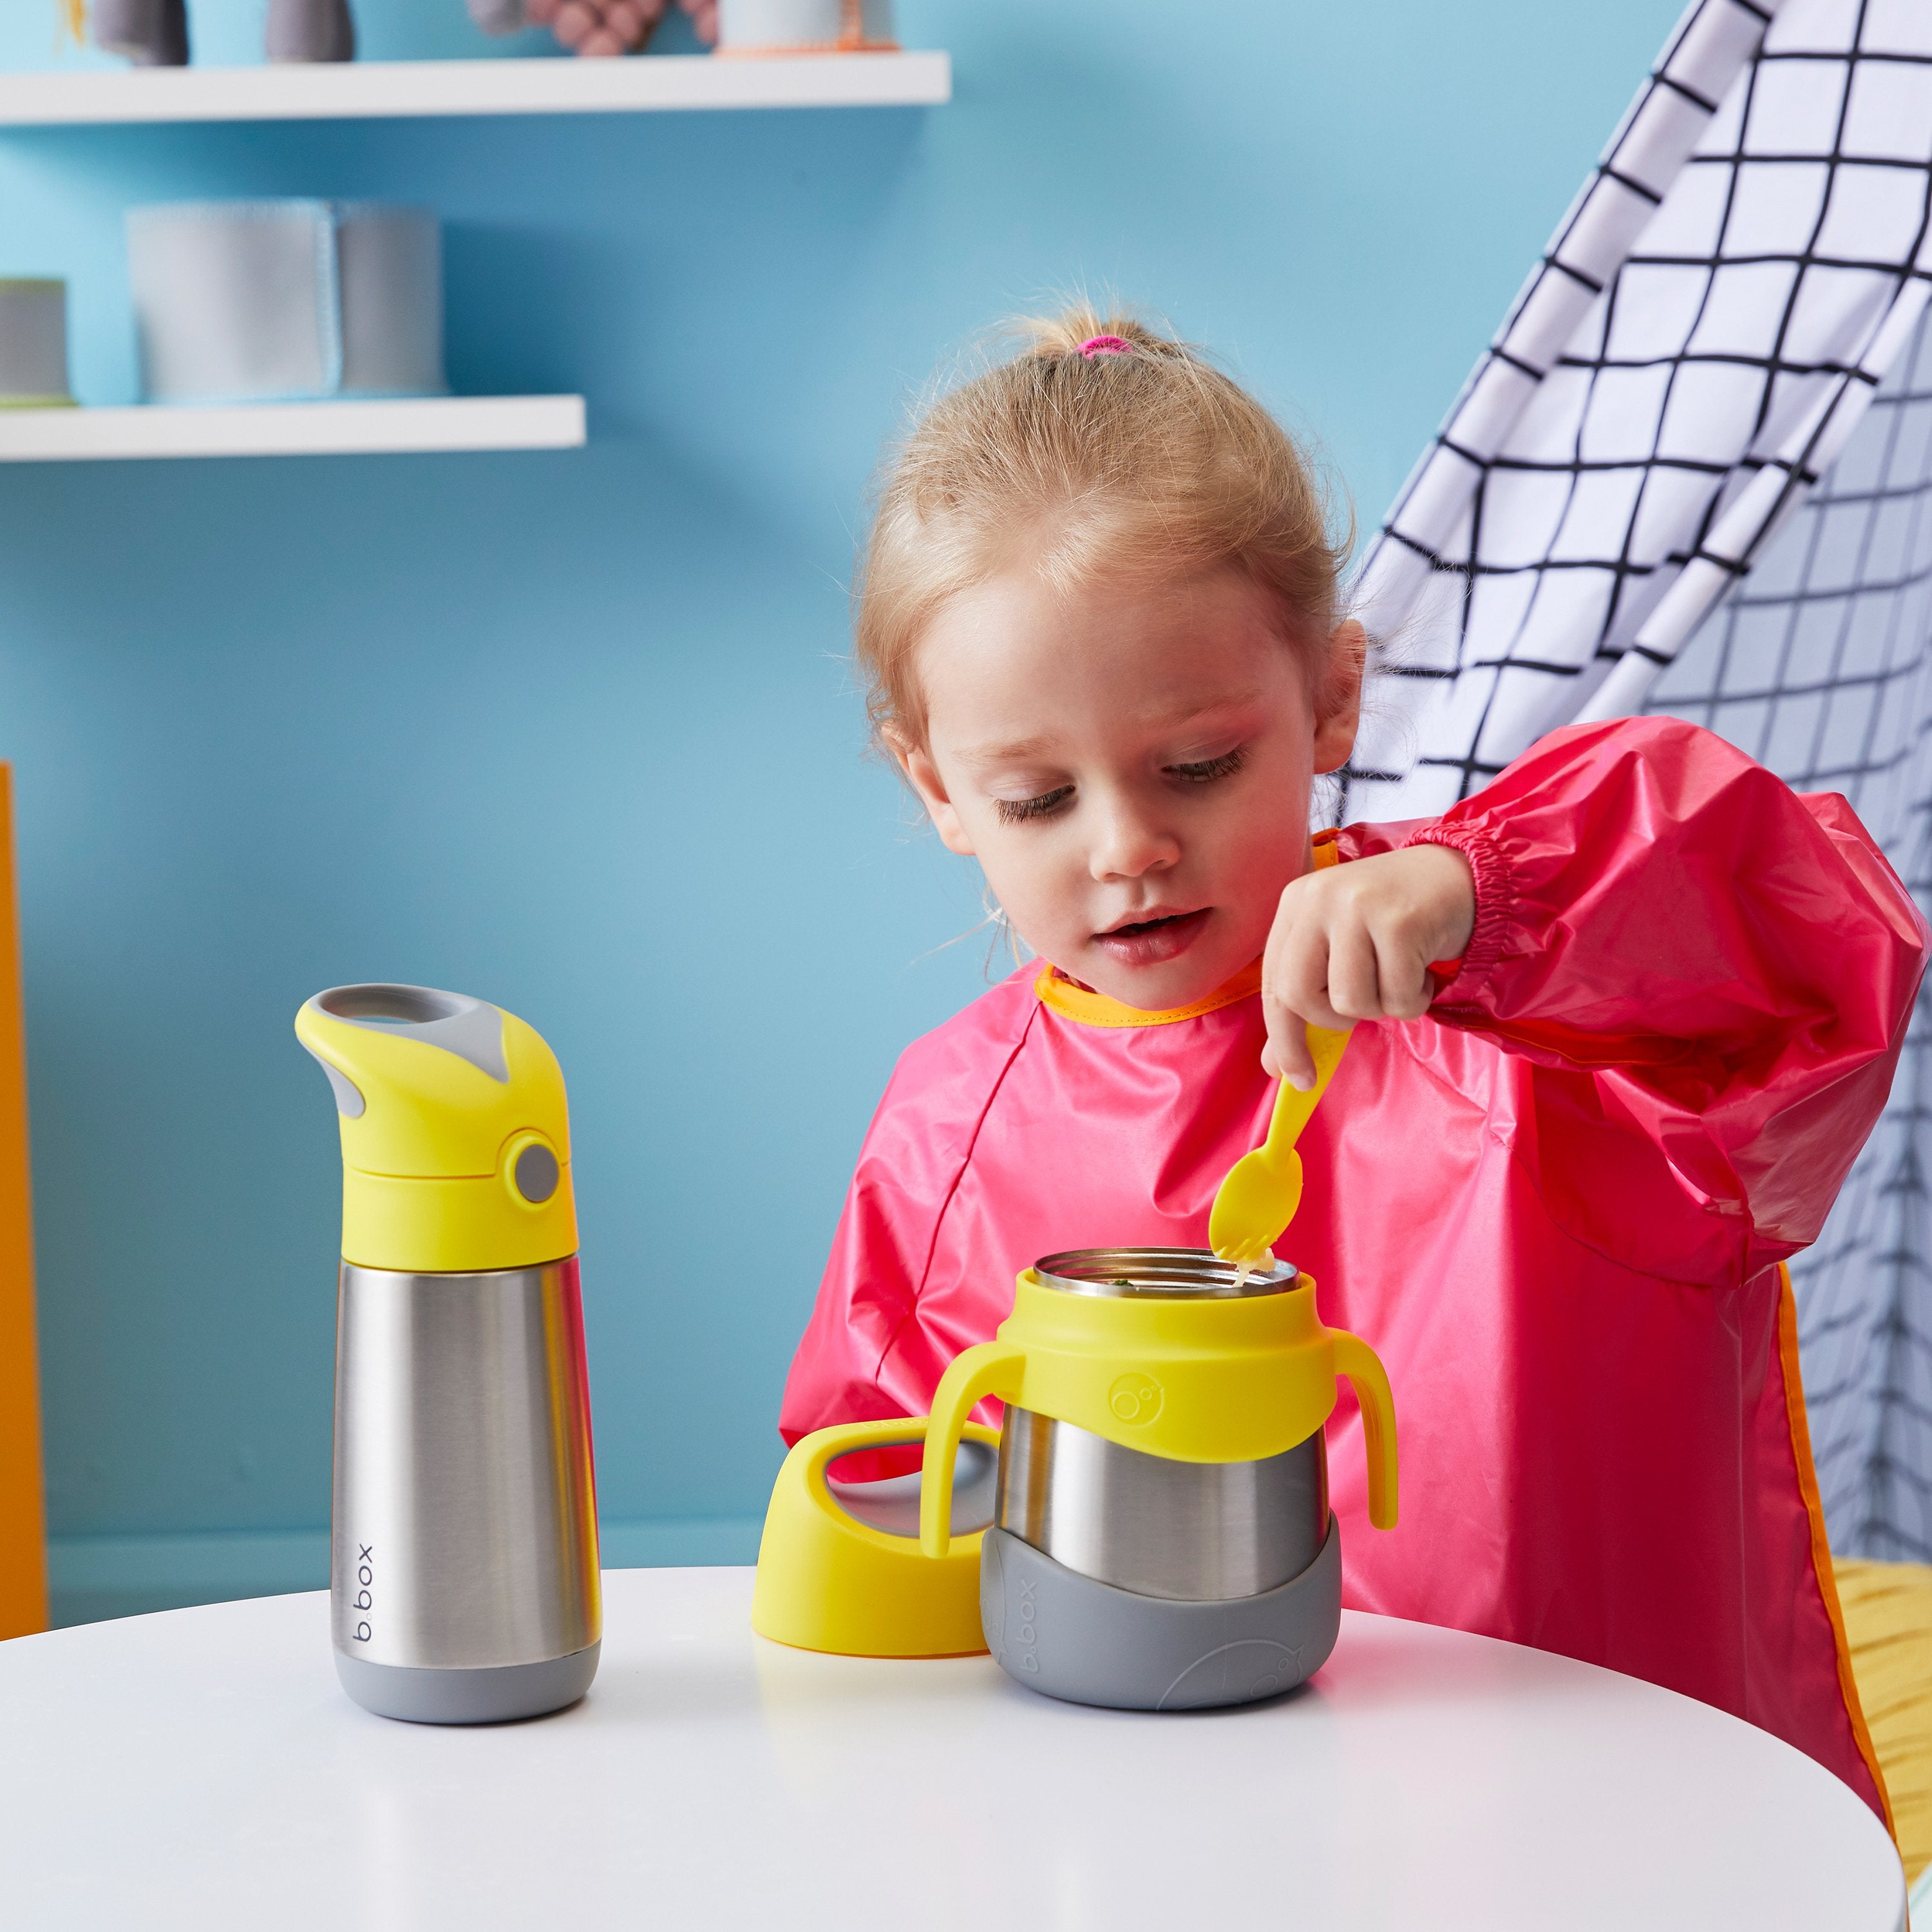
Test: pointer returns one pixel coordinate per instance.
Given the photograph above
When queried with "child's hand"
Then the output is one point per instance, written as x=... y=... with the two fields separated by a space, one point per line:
x=1354 y=942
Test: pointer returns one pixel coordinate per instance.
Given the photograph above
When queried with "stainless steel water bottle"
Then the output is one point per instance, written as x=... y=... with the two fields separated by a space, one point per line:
x=463 y=1579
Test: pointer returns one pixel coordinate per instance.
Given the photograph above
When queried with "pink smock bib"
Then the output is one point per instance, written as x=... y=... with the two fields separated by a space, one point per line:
x=1557 y=1206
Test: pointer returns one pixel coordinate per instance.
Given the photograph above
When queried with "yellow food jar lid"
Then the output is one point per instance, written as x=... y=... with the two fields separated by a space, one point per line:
x=455 y=1131
x=840 y=1568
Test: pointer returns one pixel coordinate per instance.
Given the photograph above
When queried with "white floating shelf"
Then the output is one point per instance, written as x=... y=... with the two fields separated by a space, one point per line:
x=293 y=429
x=360 y=90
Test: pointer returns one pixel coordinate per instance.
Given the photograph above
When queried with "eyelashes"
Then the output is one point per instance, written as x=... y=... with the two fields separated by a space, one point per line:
x=1017 y=811
x=1208 y=769
x=1205 y=771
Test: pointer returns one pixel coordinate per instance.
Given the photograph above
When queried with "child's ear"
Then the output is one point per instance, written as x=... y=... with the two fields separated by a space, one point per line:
x=1339 y=711
x=915 y=761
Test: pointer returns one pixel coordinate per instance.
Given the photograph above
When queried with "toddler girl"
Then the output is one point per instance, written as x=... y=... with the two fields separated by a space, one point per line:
x=1634 y=1008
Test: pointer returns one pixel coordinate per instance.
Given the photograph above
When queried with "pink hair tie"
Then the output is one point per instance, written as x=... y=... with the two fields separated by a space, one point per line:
x=1105 y=345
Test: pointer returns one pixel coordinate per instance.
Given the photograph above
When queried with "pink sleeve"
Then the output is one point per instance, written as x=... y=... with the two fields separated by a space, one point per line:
x=1712 y=975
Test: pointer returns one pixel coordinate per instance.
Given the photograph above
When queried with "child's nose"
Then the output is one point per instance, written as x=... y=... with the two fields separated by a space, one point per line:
x=1130 y=846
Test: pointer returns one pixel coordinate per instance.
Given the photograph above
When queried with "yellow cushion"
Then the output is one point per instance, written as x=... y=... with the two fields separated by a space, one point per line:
x=1888 y=1608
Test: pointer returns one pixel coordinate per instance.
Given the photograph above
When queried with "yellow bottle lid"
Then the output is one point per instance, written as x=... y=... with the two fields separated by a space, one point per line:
x=455 y=1131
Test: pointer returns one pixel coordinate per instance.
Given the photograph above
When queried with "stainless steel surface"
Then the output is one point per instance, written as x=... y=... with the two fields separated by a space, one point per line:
x=891 y=1503
x=1160 y=1274
x=1198 y=1532
x=465 y=1509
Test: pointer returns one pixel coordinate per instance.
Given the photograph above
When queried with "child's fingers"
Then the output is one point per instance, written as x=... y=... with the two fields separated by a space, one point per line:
x=1407 y=987
x=1295 y=972
x=1286 y=1054
x=1294 y=992
x=1353 y=944
x=1354 y=990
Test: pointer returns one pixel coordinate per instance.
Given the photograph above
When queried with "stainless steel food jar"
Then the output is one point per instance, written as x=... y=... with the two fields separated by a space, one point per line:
x=1164 y=1584
x=1194 y=1532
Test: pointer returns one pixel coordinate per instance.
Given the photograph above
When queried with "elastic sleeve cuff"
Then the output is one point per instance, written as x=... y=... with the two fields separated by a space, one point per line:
x=1495 y=902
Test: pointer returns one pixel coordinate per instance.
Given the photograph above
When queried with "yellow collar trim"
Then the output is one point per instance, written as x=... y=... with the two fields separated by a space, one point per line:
x=1061 y=995
x=1091 y=1009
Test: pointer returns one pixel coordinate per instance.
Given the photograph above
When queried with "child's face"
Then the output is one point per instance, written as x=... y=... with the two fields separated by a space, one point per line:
x=1131 y=767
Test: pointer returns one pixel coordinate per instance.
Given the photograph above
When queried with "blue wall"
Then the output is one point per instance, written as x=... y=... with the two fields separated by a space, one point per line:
x=572 y=731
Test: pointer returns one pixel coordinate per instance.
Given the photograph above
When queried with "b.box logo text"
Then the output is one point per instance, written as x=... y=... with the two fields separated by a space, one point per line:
x=365 y=1576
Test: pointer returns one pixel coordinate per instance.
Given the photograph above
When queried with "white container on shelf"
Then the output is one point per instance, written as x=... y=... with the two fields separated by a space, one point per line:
x=33 y=343
x=286 y=300
x=804 y=26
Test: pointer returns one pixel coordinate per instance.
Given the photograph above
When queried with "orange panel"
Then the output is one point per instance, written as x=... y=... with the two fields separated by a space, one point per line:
x=23 y=1558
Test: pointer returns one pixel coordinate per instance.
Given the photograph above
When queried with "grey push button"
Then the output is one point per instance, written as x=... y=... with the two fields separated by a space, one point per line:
x=536 y=1174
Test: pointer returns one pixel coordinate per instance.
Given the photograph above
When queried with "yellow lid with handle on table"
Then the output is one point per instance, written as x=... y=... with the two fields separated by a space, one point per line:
x=840 y=1568
x=455 y=1131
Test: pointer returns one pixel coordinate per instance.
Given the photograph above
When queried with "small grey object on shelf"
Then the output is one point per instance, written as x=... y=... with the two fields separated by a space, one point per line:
x=33 y=343
x=778 y=26
x=310 y=30
x=150 y=33
x=497 y=16
x=286 y=300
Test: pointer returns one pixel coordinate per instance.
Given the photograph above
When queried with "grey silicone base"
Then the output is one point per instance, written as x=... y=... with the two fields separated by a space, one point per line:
x=493 y=1696
x=1054 y=1631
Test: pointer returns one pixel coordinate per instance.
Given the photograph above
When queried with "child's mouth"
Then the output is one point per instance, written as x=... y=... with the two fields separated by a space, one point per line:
x=1148 y=941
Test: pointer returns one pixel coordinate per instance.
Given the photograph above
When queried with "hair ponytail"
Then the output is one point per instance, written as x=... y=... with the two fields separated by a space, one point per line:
x=1099 y=444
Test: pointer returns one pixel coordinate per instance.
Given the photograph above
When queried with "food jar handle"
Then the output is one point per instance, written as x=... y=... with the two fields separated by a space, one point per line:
x=1356 y=1360
x=844 y=1438
x=992 y=1368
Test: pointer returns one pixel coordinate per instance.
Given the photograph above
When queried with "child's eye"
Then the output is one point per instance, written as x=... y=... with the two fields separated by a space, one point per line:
x=1207 y=769
x=1015 y=810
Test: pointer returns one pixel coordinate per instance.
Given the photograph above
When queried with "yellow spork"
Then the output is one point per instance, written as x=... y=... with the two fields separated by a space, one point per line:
x=1258 y=1199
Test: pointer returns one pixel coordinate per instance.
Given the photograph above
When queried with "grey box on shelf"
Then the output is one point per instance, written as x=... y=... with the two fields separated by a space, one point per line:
x=286 y=300
x=33 y=343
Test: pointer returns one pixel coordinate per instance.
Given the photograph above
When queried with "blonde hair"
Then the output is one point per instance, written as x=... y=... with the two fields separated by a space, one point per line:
x=1143 y=461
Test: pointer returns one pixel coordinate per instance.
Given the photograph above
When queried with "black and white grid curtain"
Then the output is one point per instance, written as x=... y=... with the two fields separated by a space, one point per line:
x=1693 y=475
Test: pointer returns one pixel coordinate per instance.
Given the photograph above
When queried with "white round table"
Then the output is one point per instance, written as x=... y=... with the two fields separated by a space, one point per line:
x=201 y=1769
